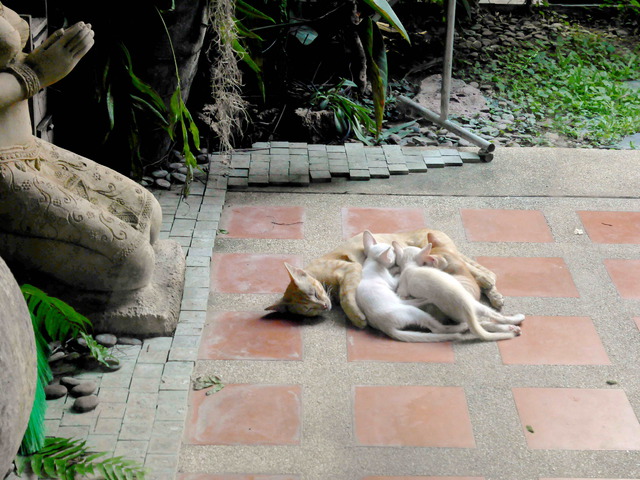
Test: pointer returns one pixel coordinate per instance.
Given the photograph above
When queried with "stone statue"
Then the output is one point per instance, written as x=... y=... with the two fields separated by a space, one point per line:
x=61 y=214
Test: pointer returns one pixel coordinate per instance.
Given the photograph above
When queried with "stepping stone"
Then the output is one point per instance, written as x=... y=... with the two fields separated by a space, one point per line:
x=52 y=392
x=83 y=389
x=86 y=404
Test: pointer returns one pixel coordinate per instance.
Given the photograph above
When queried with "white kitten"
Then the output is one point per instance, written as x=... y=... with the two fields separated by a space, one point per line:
x=386 y=311
x=424 y=282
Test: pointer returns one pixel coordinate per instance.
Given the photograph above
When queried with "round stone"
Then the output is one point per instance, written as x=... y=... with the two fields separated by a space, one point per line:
x=129 y=341
x=179 y=177
x=176 y=165
x=83 y=389
x=162 y=183
x=106 y=339
x=70 y=382
x=55 y=391
x=159 y=173
x=57 y=356
x=86 y=404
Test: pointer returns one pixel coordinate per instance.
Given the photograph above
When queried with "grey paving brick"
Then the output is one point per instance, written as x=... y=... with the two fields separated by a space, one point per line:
x=201 y=247
x=446 y=152
x=194 y=304
x=319 y=167
x=196 y=272
x=299 y=179
x=138 y=430
x=162 y=463
x=188 y=210
x=131 y=448
x=398 y=169
x=339 y=170
x=238 y=173
x=470 y=157
x=279 y=179
x=299 y=168
x=73 y=432
x=139 y=415
x=297 y=145
x=379 y=172
x=360 y=174
x=55 y=408
x=260 y=145
x=157 y=343
x=279 y=144
x=113 y=394
x=149 y=385
x=240 y=160
x=107 y=426
x=183 y=241
x=198 y=318
x=177 y=376
x=317 y=154
x=452 y=160
x=73 y=419
x=153 y=356
x=317 y=147
x=299 y=152
x=258 y=180
x=101 y=443
x=172 y=405
x=235 y=182
x=318 y=176
x=167 y=428
x=189 y=329
x=112 y=410
x=434 y=161
x=335 y=148
x=164 y=444
x=51 y=427
x=417 y=167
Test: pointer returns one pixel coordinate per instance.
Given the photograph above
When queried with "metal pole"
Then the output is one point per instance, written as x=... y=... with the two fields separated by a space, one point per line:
x=486 y=146
x=445 y=91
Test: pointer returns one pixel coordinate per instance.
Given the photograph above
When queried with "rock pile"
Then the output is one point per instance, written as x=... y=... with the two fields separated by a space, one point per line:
x=74 y=357
x=174 y=170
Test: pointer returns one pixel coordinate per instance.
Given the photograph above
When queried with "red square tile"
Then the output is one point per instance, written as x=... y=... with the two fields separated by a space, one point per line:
x=262 y=222
x=611 y=227
x=577 y=419
x=412 y=416
x=625 y=275
x=422 y=478
x=381 y=220
x=555 y=341
x=637 y=320
x=245 y=415
x=248 y=336
x=531 y=276
x=250 y=273
x=371 y=345
x=210 y=476
x=489 y=225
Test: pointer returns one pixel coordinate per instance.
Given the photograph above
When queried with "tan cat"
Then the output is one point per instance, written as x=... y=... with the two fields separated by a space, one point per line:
x=340 y=271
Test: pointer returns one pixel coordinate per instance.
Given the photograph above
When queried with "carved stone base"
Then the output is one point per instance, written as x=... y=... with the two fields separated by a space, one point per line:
x=147 y=312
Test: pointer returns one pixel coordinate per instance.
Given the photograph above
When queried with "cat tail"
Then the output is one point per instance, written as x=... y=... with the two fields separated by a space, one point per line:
x=472 y=321
x=416 y=302
x=426 y=337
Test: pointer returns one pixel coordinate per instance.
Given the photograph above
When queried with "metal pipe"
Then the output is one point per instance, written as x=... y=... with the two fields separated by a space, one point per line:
x=485 y=145
x=445 y=90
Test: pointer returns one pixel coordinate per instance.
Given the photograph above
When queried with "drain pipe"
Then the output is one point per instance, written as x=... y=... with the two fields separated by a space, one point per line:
x=486 y=148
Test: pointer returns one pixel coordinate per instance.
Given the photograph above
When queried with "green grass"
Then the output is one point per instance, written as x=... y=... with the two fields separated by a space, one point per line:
x=574 y=82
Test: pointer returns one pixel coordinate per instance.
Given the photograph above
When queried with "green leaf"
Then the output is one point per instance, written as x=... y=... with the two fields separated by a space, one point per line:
x=252 y=12
x=376 y=68
x=384 y=9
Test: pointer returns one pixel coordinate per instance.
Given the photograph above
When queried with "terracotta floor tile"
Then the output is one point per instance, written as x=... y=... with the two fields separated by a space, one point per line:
x=555 y=341
x=492 y=225
x=263 y=222
x=250 y=273
x=422 y=478
x=210 y=476
x=371 y=345
x=381 y=220
x=412 y=416
x=625 y=275
x=245 y=415
x=577 y=419
x=611 y=227
x=247 y=336
x=531 y=277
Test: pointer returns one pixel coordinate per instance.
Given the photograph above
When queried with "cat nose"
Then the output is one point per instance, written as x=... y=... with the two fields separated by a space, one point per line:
x=325 y=306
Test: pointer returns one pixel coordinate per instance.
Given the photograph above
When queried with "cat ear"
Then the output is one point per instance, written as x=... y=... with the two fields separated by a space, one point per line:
x=397 y=248
x=368 y=240
x=279 y=307
x=424 y=255
x=296 y=274
x=431 y=238
x=388 y=257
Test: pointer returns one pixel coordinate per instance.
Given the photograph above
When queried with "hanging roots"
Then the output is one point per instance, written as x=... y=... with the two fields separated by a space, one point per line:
x=227 y=113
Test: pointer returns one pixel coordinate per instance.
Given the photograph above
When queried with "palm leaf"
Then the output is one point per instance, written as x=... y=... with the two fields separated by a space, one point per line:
x=377 y=71
x=384 y=9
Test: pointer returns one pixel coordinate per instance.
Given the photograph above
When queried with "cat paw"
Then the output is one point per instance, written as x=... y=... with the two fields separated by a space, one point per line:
x=516 y=330
x=495 y=299
x=519 y=318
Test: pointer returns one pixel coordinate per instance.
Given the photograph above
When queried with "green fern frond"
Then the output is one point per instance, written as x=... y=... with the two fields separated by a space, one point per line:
x=55 y=318
x=63 y=458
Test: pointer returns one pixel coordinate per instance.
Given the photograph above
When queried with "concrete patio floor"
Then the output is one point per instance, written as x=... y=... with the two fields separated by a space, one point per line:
x=320 y=400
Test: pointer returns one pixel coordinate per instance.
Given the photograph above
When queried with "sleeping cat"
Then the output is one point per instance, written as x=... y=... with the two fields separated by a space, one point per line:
x=386 y=311
x=419 y=279
x=340 y=271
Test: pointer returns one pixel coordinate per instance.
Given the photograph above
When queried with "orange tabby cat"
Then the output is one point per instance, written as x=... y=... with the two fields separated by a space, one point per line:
x=341 y=269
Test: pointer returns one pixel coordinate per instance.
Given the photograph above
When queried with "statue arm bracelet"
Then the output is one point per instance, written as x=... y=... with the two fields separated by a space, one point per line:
x=26 y=76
